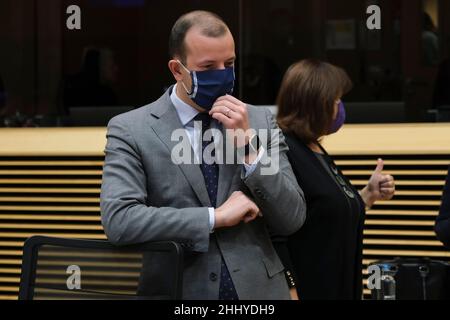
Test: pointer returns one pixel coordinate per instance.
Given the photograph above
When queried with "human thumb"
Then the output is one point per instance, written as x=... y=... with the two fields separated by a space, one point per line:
x=380 y=165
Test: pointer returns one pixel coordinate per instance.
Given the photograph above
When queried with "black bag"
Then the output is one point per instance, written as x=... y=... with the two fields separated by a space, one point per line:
x=418 y=278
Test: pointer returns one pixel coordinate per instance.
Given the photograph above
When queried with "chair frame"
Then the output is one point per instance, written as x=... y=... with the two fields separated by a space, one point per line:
x=32 y=244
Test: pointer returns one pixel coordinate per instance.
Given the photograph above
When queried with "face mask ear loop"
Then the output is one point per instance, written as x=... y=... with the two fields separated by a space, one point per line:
x=190 y=94
x=234 y=79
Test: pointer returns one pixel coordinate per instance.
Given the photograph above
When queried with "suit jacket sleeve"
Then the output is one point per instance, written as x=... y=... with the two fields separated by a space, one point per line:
x=277 y=193
x=127 y=218
x=442 y=226
x=281 y=247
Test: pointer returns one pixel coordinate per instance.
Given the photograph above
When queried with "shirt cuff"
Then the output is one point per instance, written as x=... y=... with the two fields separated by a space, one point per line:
x=249 y=168
x=212 y=220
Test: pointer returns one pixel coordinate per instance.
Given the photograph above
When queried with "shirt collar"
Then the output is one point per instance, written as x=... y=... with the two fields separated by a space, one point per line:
x=185 y=112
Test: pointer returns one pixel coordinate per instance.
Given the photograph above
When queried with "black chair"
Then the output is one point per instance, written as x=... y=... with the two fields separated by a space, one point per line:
x=55 y=268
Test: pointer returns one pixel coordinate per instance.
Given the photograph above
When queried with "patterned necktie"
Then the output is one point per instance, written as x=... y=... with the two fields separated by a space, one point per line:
x=210 y=172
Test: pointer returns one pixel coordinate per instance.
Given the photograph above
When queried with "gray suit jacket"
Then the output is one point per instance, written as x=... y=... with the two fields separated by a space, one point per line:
x=146 y=197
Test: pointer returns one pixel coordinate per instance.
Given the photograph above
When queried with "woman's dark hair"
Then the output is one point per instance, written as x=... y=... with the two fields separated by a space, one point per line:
x=307 y=97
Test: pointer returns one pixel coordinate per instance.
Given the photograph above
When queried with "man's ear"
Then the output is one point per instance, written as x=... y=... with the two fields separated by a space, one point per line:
x=176 y=69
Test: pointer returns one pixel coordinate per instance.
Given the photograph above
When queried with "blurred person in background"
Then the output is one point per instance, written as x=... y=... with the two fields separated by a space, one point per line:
x=430 y=42
x=92 y=86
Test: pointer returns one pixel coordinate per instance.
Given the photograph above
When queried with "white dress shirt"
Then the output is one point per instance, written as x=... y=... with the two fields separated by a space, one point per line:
x=187 y=114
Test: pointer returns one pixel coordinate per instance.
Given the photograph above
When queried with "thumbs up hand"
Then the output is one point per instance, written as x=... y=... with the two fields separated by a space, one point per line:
x=380 y=186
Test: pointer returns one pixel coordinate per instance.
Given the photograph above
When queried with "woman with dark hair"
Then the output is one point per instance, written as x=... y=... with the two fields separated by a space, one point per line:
x=442 y=226
x=323 y=259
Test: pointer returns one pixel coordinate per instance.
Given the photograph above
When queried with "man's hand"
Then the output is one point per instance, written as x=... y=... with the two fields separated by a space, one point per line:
x=232 y=113
x=380 y=186
x=237 y=208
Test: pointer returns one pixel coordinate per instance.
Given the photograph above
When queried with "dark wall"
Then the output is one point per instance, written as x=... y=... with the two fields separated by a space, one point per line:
x=37 y=51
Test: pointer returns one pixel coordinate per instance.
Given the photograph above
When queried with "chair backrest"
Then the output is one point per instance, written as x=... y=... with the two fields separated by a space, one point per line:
x=55 y=268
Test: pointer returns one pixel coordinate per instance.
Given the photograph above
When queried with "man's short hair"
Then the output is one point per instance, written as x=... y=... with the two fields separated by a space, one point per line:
x=210 y=25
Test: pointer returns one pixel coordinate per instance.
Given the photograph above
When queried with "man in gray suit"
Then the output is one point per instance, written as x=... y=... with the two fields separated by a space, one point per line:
x=220 y=211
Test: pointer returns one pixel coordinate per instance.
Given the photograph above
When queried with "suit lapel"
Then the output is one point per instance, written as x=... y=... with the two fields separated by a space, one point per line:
x=167 y=122
x=226 y=173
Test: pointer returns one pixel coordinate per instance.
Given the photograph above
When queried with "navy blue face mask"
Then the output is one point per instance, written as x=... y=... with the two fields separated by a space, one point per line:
x=209 y=85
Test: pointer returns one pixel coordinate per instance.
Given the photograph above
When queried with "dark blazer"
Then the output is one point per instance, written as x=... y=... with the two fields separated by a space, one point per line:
x=325 y=255
x=442 y=226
